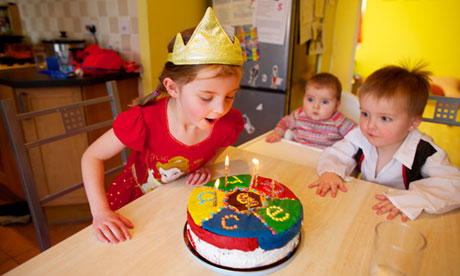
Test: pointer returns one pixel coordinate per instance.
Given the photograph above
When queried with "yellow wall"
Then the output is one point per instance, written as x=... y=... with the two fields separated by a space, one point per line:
x=394 y=31
x=343 y=38
x=159 y=21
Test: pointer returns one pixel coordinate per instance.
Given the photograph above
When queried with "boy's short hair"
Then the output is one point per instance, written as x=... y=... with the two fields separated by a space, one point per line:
x=327 y=80
x=390 y=81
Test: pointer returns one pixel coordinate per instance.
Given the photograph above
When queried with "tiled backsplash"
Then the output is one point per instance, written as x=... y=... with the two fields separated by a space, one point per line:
x=44 y=19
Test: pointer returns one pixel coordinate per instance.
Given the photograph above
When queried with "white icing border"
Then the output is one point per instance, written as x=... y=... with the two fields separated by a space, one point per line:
x=237 y=258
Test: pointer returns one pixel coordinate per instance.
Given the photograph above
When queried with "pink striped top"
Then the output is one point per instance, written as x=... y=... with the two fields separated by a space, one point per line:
x=319 y=134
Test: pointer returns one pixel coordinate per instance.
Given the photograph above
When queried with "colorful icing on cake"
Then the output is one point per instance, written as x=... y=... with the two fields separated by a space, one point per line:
x=225 y=233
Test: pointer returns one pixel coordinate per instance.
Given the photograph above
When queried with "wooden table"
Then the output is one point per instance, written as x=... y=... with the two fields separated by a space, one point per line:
x=285 y=150
x=337 y=234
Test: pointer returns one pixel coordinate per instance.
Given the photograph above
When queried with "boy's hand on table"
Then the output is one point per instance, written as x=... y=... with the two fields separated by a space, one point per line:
x=273 y=137
x=111 y=227
x=200 y=176
x=328 y=181
x=385 y=206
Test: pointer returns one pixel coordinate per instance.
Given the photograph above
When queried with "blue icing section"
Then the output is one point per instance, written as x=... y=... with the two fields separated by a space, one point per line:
x=268 y=243
x=248 y=226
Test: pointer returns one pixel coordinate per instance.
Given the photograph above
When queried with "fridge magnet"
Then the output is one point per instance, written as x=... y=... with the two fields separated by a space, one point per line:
x=275 y=79
x=247 y=36
x=264 y=78
x=253 y=74
x=247 y=124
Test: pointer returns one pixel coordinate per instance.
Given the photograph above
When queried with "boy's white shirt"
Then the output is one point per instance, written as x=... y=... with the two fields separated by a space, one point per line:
x=438 y=192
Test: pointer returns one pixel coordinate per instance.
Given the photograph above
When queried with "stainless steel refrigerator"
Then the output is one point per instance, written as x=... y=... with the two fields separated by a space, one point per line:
x=267 y=90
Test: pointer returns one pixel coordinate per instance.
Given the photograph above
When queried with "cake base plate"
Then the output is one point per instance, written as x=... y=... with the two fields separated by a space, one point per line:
x=260 y=270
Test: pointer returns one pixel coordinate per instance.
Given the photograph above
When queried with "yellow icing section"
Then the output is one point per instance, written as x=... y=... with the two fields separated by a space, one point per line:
x=201 y=203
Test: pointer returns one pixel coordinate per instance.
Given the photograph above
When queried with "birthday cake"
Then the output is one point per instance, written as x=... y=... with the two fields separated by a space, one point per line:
x=228 y=230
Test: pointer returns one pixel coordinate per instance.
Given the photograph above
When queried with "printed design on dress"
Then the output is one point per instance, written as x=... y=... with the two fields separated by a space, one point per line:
x=173 y=169
x=151 y=183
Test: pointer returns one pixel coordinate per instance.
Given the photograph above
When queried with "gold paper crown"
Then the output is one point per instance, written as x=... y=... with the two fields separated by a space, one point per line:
x=209 y=44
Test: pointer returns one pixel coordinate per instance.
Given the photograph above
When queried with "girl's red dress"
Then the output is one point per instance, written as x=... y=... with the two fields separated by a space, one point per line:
x=157 y=156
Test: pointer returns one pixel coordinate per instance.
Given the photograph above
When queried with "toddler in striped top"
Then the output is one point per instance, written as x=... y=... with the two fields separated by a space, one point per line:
x=318 y=123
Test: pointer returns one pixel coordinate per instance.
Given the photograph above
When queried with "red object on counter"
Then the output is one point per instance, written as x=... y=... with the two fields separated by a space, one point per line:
x=19 y=51
x=97 y=61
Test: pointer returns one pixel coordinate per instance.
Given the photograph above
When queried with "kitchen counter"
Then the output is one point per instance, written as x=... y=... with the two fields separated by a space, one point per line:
x=29 y=77
x=16 y=66
x=32 y=91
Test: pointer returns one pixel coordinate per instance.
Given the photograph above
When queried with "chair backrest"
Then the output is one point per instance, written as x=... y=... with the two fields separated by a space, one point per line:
x=73 y=123
x=349 y=106
x=445 y=111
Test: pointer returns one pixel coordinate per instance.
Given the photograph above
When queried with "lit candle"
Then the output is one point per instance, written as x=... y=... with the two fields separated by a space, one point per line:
x=248 y=204
x=216 y=186
x=256 y=170
x=226 y=171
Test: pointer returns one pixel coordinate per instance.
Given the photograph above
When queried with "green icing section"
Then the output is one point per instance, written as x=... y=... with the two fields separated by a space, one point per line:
x=241 y=181
x=279 y=209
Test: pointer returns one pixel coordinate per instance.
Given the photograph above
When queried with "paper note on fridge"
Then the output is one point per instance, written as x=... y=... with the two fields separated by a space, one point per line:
x=270 y=18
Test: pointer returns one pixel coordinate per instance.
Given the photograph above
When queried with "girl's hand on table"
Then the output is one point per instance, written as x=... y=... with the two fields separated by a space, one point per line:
x=328 y=181
x=385 y=206
x=273 y=137
x=111 y=227
x=200 y=176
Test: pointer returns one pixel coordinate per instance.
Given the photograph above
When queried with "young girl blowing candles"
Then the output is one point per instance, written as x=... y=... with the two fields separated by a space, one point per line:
x=181 y=134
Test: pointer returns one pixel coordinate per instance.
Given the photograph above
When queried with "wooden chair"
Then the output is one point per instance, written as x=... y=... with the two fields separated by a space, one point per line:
x=73 y=119
x=445 y=111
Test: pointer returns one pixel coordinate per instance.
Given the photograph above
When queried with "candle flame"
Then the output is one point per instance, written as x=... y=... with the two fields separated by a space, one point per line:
x=226 y=160
x=216 y=185
x=256 y=162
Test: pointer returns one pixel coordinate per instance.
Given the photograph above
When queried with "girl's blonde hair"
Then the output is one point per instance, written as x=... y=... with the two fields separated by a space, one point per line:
x=183 y=74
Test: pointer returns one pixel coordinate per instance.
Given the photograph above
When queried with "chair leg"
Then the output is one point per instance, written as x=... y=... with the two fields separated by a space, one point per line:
x=40 y=225
x=25 y=171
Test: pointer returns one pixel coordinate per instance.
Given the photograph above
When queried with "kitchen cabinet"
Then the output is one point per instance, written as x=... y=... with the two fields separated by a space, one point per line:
x=57 y=165
x=10 y=22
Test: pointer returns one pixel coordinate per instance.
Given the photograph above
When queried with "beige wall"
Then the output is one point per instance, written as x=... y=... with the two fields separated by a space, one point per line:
x=43 y=19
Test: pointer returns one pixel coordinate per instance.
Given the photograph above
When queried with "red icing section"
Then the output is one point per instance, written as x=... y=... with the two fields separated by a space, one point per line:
x=243 y=244
x=264 y=185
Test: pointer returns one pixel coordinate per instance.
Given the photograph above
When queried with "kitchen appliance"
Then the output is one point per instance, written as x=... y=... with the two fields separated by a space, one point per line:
x=64 y=49
x=271 y=87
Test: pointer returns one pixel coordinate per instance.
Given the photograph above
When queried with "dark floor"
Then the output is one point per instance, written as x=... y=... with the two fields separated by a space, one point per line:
x=18 y=242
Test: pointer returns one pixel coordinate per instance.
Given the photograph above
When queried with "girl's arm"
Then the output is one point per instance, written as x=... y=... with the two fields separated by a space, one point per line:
x=107 y=225
x=203 y=174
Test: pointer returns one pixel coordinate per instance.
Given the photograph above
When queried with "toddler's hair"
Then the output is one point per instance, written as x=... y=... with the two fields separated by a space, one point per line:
x=183 y=74
x=410 y=84
x=327 y=80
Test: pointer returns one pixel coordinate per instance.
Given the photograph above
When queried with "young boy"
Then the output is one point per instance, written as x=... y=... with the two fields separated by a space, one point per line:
x=317 y=123
x=389 y=150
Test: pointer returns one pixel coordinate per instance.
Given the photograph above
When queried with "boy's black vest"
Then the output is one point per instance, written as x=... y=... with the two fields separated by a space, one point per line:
x=424 y=150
